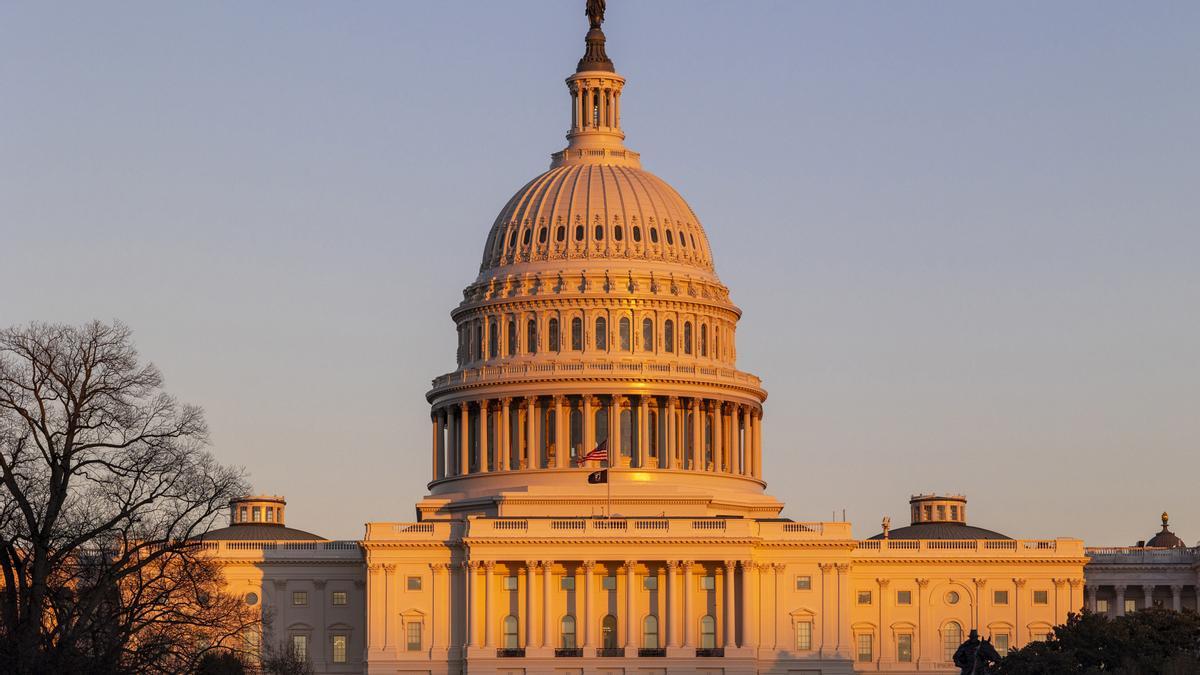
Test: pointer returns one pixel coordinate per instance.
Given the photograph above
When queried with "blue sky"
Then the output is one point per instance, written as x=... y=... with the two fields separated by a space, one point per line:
x=964 y=235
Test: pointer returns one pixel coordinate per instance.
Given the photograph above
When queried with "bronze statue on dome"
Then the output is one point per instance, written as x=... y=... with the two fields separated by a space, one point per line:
x=595 y=12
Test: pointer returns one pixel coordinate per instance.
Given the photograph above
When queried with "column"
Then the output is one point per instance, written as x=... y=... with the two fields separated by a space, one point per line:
x=1177 y=597
x=1022 y=634
x=504 y=438
x=749 y=605
x=1075 y=601
x=589 y=422
x=1148 y=594
x=451 y=455
x=777 y=570
x=469 y=570
x=1091 y=597
x=586 y=623
x=980 y=605
x=441 y=614
x=485 y=420
x=562 y=438
x=757 y=417
x=530 y=582
x=631 y=642
x=531 y=442
x=614 y=431
x=643 y=444
x=828 y=609
x=748 y=445
x=489 y=621
x=923 y=650
x=697 y=408
x=671 y=623
x=547 y=596
x=1120 y=608
x=843 y=618
x=436 y=426
x=687 y=604
x=617 y=108
x=736 y=445
x=464 y=439
x=668 y=449
x=729 y=618
x=389 y=586
x=718 y=443
x=886 y=653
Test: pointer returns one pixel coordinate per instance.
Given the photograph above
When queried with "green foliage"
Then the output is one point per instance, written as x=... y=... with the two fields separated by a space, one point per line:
x=1150 y=642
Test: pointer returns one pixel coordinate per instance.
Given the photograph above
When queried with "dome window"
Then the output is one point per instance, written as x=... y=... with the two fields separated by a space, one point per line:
x=577 y=334
x=512 y=337
x=618 y=234
x=682 y=239
x=561 y=233
x=637 y=233
x=578 y=233
x=599 y=233
x=647 y=335
x=623 y=334
x=552 y=337
x=687 y=338
x=542 y=236
x=653 y=236
x=531 y=336
x=669 y=336
x=601 y=333
x=493 y=341
x=526 y=237
x=704 y=340
x=512 y=239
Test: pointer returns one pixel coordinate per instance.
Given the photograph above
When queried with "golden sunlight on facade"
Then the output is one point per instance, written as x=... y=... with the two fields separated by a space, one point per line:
x=597 y=334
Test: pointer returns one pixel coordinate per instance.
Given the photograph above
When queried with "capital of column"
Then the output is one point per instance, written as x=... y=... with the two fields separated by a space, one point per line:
x=1059 y=583
x=319 y=583
x=547 y=564
x=506 y=400
x=437 y=566
x=688 y=565
x=883 y=583
x=589 y=565
x=531 y=564
x=825 y=568
x=373 y=567
x=465 y=406
x=1120 y=588
x=979 y=582
x=1075 y=582
x=748 y=564
x=730 y=564
x=842 y=568
x=489 y=565
x=922 y=582
x=779 y=567
x=629 y=564
x=672 y=565
x=1176 y=589
x=471 y=565
x=1019 y=582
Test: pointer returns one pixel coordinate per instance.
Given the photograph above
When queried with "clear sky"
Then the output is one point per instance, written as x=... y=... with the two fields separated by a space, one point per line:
x=965 y=236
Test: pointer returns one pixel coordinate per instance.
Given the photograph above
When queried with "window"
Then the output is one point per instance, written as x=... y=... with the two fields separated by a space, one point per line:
x=270 y=514
x=510 y=583
x=413 y=583
x=618 y=233
x=525 y=237
x=864 y=597
x=542 y=236
x=804 y=583
x=687 y=337
x=299 y=598
x=952 y=598
x=512 y=239
x=708 y=632
x=599 y=232
x=578 y=233
x=650 y=583
x=653 y=235
x=531 y=338
x=865 y=645
x=951 y=639
x=568 y=632
x=493 y=340
x=609 y=583
x=941 y=511
x=338 y=597
x=904 y=647
x=412 y=632
x=608 y=632
x=512 y=338
x=703 y=340
x=637 y=233
x=251 y=599
x=650 y=632
x=682 y=239
x=623 y=330
x=1040 y=636
x=803 y=636
x=1041 y=597
x=1000 y=597
x=577 y=334
x=670 y=238
x=552 y=338
x=509 y=631
x=903 y=597
x=339 y=648
x=647 y=335
x=567 y=583
x=953 y=513
x=257 y=511
x=1102 y=606
x=560 y=234
x=601 y=333
x=708 y=583
x=669 y=336
x=1000 y=642
x=1130 y=606
x=300 y=647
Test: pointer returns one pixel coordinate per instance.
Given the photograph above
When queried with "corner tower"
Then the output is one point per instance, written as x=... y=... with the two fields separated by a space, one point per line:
x=597 y=327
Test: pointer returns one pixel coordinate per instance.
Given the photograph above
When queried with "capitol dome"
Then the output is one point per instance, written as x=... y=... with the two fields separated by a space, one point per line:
x=596 y=336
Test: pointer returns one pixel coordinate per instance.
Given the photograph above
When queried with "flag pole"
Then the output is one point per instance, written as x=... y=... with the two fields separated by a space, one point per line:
x=608 y=486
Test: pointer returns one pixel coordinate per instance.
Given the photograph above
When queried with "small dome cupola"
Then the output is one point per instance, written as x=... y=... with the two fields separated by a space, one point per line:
x=257 y=510
x=1165 y=537
x=933 y=508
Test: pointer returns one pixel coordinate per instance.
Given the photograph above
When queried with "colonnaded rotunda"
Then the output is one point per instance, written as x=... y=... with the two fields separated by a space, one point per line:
x=597 y=501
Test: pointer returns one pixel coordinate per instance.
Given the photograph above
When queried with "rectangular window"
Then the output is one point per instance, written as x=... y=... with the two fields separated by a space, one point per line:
x=413 y=631
x=865 y=644
x=414 y=583
x=904 y=647
x=270 y=514
x=1102 y=606
x=257 y=511
x=864 y=597
x=1130 y=606
x=650 y=583
x=299 y=598
x=1041 y=597
x=708 y=583
x=339 y=648
x=568 y=583
x=1000 y=598
x=300 y=647
x=1000 y=642
x=510 y=583
x=339 y=597
x=803 y=583
x=610 y=583
x=903 y=597
x=803 y=636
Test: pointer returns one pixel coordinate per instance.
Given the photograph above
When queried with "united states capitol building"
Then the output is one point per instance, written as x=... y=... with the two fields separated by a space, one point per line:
x=598 y=335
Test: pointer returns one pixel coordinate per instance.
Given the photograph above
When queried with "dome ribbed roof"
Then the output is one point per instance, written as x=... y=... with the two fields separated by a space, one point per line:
x=260 y=532
x=597 y=211
x=941 y=530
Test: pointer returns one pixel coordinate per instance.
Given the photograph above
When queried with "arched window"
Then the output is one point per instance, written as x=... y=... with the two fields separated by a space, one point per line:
x=512 y=639
x=560 y=234
x=525 y=237
x=578 y=233
x=703 y=339
x=601 y=333
x=599 y=233
x=568 y=632
x=577 y=334
x=653 y=236
x=650 y=632
x=608 y=631
x=493 y=340
x=477 y=342
x=618 y=233
x=637 y=233
x=687 y=337
x=669 y=336
x=576 y=420
x=647 y=335
x=531 y=341
x=708 y=632
x=512 y=337
x=623 y=334
x=951 y=639
x=600 y=426
x=552 y=338
x=542 y=236
x=652 y=437
x=512 y=239
x=682 y=239
x=716 y=343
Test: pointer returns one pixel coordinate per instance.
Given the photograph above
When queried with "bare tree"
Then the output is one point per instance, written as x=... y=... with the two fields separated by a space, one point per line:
x=105 y=488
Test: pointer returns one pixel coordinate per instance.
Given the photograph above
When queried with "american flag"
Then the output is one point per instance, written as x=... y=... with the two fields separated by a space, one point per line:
x=599 y=454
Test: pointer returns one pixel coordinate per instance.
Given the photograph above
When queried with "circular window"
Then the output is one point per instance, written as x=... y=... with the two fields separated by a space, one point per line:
x=952 y=598
x=251 y=598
